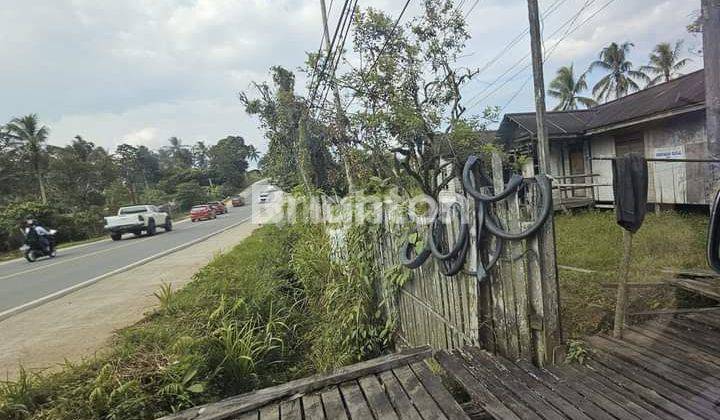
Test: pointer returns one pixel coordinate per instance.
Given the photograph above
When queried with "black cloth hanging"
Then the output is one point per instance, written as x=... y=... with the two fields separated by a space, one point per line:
x=630 y=187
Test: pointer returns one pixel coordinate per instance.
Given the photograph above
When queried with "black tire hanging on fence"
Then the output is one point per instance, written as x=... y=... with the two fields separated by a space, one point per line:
x=545 y=209
x=462 y=237
x=512 y=186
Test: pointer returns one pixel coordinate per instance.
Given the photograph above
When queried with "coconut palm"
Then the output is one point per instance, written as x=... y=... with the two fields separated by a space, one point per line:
x=567 y=90
x=621 y=77
x=253 y=154
x=31 y=138
x=665 y=62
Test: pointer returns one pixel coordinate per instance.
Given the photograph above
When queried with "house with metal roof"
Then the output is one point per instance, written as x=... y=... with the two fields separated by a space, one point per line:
x=662 y=121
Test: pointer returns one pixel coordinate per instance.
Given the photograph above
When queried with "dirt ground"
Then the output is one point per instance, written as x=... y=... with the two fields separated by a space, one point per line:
x=79 y=324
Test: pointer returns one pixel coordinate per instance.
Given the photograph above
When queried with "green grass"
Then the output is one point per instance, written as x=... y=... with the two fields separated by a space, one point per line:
x=592 y=240
x=272 y=309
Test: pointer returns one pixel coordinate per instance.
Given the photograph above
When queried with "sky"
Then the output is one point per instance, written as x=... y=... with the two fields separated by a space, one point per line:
x=141 y=71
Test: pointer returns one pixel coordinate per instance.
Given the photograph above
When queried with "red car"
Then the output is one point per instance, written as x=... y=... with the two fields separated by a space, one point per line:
x=202 y=212
x=218 y=206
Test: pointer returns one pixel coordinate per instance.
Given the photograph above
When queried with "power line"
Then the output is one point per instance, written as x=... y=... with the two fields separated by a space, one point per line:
x=329 y=50
x=505 y=49
x=475 y=100
x=392 y=33
x=382 y=49
x=552 y=49
x=339 y=52
x=319 y=53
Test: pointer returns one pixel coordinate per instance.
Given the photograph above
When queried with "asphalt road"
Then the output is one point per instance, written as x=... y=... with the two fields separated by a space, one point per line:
x=22 y=282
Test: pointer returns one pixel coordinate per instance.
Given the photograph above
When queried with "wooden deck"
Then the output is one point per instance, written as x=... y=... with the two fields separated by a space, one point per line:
x=705 y=283
x=567 y=203
x=398 y=386
x=668 y=368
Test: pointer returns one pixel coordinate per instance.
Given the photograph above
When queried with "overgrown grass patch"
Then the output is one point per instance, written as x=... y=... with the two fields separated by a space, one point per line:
x=592 y=240
x=273 y=309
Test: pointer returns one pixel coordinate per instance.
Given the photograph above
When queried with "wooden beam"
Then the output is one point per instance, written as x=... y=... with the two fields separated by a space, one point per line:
x=621 y=304
x=253 y=400
x=637 y=284
x=677 y=311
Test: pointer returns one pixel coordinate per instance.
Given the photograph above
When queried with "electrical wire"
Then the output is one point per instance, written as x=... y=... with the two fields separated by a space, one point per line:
x=476 y=100
x=329 y=51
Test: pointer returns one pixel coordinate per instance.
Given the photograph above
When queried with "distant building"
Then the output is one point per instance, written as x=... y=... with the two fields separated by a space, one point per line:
x=666 y=120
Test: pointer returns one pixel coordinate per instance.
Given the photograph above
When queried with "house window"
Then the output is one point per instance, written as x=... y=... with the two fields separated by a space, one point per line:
x=629 y=143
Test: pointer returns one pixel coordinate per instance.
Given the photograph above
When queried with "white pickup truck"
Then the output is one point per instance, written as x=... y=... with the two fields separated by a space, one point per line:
x=136 y=219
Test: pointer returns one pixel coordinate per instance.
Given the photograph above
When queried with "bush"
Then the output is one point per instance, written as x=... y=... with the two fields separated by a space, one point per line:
x=71 y=227
x=189 y=194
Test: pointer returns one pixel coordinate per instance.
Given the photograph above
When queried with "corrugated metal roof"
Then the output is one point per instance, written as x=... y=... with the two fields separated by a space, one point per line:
x=678 y=93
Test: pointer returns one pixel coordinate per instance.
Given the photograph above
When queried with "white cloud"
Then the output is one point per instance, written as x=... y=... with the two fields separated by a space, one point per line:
x=145 y=70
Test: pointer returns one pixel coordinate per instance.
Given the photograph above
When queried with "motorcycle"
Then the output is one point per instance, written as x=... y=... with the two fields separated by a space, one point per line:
x=32 y=250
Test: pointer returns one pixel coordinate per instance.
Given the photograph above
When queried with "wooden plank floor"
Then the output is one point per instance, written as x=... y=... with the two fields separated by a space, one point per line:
x=406 y=392
x=668 y=368
x=398 y=386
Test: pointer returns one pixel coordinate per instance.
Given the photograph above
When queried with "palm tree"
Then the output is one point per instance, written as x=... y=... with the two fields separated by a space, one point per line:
x=665 y=62
x=31 y=137
x=200 y=155
x=621 y=77
x=253 y=153
x=567 y=90
x=179 y=153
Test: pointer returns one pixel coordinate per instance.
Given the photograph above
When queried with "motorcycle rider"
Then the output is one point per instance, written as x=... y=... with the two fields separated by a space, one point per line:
x=34 y=230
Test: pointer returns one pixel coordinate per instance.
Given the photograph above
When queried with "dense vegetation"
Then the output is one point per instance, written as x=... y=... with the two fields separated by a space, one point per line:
x=72 y=187
x=274 y=308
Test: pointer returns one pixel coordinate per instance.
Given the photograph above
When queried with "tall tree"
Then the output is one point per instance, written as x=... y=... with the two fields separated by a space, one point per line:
x=409 y=85
x=620 y=78
x=567 y=90
x=297 y=152
x=149 y=164
x=129 y=169
x=32 y=137
x=176 y=156
x=200 y=155
x=11 y=170
x=79 y=173
x=228 y=161
x=665 y=62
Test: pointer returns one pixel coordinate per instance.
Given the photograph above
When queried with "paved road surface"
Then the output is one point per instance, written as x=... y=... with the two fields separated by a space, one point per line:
x=22 y=282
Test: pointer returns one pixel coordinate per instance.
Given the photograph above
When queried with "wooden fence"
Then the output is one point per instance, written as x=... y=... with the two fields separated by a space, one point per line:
x=515 y=312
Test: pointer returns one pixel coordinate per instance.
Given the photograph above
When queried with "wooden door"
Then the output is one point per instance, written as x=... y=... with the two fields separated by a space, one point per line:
x=577 y=167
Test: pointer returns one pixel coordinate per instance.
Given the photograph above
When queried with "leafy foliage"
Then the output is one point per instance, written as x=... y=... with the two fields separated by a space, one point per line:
x=81 y=182
x=567 y=90
x=665 y=62
x=620 y=78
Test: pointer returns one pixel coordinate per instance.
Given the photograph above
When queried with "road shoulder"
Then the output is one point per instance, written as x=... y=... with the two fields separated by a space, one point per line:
x=79 y=324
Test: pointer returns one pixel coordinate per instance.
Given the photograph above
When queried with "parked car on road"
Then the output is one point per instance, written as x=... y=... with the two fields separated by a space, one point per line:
x=202 y=212
x=137 y=219
x=218 y=206
x=238 y=201
x=264 y=197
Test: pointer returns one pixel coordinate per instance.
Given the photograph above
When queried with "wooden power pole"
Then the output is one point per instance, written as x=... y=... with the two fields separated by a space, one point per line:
x=711 y=54
x=340 y=117
x=551 y=329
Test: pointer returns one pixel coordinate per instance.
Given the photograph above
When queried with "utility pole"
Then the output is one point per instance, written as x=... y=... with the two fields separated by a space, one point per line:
x=543 y=146
x=711 y=56
x=549 y=302
x=340 y=117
